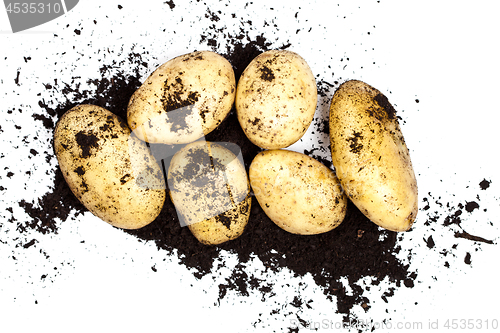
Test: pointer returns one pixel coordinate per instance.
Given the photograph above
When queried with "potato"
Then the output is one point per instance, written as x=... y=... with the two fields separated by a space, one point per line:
x=107 y=168
x=297 y=192
x=276 y=99
x=209 y=188
x=184 y=99
x=370 y=156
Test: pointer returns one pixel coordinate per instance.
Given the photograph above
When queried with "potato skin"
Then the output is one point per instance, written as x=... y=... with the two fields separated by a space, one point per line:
x=370 y=156
x=210 y=190
x=109 y=170
x=184 y=99
x=276 y=99
x=298 y=193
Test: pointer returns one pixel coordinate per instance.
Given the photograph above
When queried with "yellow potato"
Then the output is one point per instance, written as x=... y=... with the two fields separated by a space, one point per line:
x=108 y=169
x=297 y=192
x=370 y=156
x=184 y=99
x=276 y=99
x=209 y=187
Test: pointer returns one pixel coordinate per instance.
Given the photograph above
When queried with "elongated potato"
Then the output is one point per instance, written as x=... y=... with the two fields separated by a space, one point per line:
x=370 y=156
x=108 y=169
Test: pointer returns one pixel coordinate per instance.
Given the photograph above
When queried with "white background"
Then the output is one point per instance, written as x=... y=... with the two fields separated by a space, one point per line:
x=443 y=53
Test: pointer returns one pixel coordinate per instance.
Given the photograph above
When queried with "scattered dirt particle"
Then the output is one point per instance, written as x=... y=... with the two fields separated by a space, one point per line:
x=484 y=184
x=470 y=206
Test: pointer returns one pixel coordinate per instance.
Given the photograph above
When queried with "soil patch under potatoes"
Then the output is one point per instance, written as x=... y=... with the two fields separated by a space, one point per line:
x=355 y=249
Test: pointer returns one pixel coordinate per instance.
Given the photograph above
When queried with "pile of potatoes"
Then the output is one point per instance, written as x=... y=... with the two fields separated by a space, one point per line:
x=109 y=167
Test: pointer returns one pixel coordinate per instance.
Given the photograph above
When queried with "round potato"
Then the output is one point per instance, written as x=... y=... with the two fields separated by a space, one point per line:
x=184 y=99
x=297 y=192
x=370 y=156
x=209 y=188
x=108 y=169
x=276 y=99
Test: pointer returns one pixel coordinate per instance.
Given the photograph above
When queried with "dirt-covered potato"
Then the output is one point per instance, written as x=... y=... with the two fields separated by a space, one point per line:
x=184 y=99
x=370 y=156
x=209 y=187
x=108 y=169
x=297 y=192
x=276 y=99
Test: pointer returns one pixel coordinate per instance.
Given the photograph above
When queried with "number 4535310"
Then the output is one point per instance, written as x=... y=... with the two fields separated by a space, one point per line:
x=471 y=324
x=33 y=7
